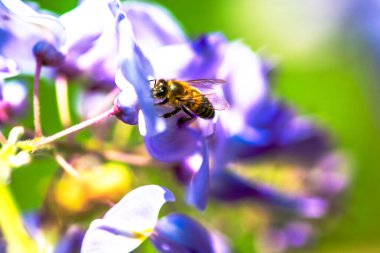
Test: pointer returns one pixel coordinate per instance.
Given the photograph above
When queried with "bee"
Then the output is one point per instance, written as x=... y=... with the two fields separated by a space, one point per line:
x=188 y=96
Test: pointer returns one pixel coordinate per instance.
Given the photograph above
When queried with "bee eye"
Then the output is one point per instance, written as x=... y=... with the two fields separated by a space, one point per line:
x=160 y=91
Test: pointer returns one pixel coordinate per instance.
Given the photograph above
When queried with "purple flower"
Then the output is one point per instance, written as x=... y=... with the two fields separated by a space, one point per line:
x=71 y=240
x=22 y=28
x=180 y=233
x=12 y=93
x=293 y=235
x=135 y=218
x=91 y=48
x=172 y=56
x=153 y=26
x=257 y=128
x=8 y=68
x=36 y=226
x=3 y=245
x=12 y=100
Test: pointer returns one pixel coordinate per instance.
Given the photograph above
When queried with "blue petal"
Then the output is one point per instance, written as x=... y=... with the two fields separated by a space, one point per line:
x=197 y=193
x=47 y=54
x=71 y=241
x=22 y=28
x=296 y=234
x=284 y=133
x=92 y=47
x=13 y=100
x=246 y=82
x=127 y=102
x=173 y=145
x=177 y=233
x=153 y=26
x=230 y=187
x=199 y=59
x=127 y=224
x=137 y=70
x=8 y=68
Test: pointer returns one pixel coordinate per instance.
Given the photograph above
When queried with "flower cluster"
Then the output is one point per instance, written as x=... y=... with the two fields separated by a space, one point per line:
x=116 y=52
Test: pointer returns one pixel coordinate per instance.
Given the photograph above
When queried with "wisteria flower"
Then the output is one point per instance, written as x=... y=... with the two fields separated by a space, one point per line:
x=12 y=101
x=257 y=129
x=91 y=48
x=22 y=28
x=12 y=93
x=126 y=225
x=173 y=56
x=119 y=52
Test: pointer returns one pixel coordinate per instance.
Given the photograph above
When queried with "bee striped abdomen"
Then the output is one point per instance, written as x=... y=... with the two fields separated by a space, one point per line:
x=203 y=108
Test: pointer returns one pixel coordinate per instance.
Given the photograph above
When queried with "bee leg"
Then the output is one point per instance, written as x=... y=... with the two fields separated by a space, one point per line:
x=182 y=121
x=162 y=102
x=169 y=114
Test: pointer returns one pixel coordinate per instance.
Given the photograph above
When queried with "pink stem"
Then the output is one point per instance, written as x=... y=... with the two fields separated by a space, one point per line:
x=46 y=140
x=3 y=139
x=66 y=166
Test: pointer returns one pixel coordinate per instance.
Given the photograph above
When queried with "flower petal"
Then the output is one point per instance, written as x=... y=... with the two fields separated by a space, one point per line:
x=13 y=100
x=244 y=73
x=92 y=47
x=199 y=59
x=127 y=101
x=136 y=71
x=71 y=241
x=220 y=243
x=127 y=224
x=93 y=17
x=21 y=28
x=286 y=237
x=173 y=145
x=197 y=193
x=230 y=187
x=153 y=26
x=8 y=68
x=180 y=233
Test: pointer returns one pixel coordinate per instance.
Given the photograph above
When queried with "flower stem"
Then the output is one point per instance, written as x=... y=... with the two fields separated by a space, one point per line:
x=3 y=139
x=36 y=100
x=12 y=226
x=61 y=88
x=46 y=140
x=132 y=159
x=66 y=166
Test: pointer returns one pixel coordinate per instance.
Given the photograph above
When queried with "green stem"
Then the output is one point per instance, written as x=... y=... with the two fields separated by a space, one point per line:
x=12 y=226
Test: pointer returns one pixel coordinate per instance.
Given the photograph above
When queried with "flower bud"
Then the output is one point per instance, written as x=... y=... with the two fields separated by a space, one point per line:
x=47 y=54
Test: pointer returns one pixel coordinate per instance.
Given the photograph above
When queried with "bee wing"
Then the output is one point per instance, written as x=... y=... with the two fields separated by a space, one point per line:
x=217 y=102
x=205 y=84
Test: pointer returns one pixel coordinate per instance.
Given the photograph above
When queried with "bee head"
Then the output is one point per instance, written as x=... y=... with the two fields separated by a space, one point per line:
x=160 y=89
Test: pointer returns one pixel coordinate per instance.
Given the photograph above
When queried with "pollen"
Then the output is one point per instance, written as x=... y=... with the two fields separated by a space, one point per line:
x=141 y=235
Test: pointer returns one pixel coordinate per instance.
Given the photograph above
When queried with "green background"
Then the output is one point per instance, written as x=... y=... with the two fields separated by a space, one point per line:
x=320 y=73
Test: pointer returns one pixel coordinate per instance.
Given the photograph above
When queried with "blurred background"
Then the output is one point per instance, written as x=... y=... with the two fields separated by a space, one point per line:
x=327 y=55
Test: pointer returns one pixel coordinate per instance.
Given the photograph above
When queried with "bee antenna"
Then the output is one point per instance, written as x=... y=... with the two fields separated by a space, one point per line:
x=151 y=80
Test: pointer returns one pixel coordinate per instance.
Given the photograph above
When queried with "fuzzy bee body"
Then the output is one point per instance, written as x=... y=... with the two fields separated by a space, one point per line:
x=185 y=95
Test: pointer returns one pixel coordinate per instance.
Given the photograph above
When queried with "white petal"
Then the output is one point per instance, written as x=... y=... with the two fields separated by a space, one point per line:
x=127 y=224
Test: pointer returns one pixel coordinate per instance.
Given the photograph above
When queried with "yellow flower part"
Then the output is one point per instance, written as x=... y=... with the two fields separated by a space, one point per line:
x=70 y=194
x=102 y=183
x=110 y=181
